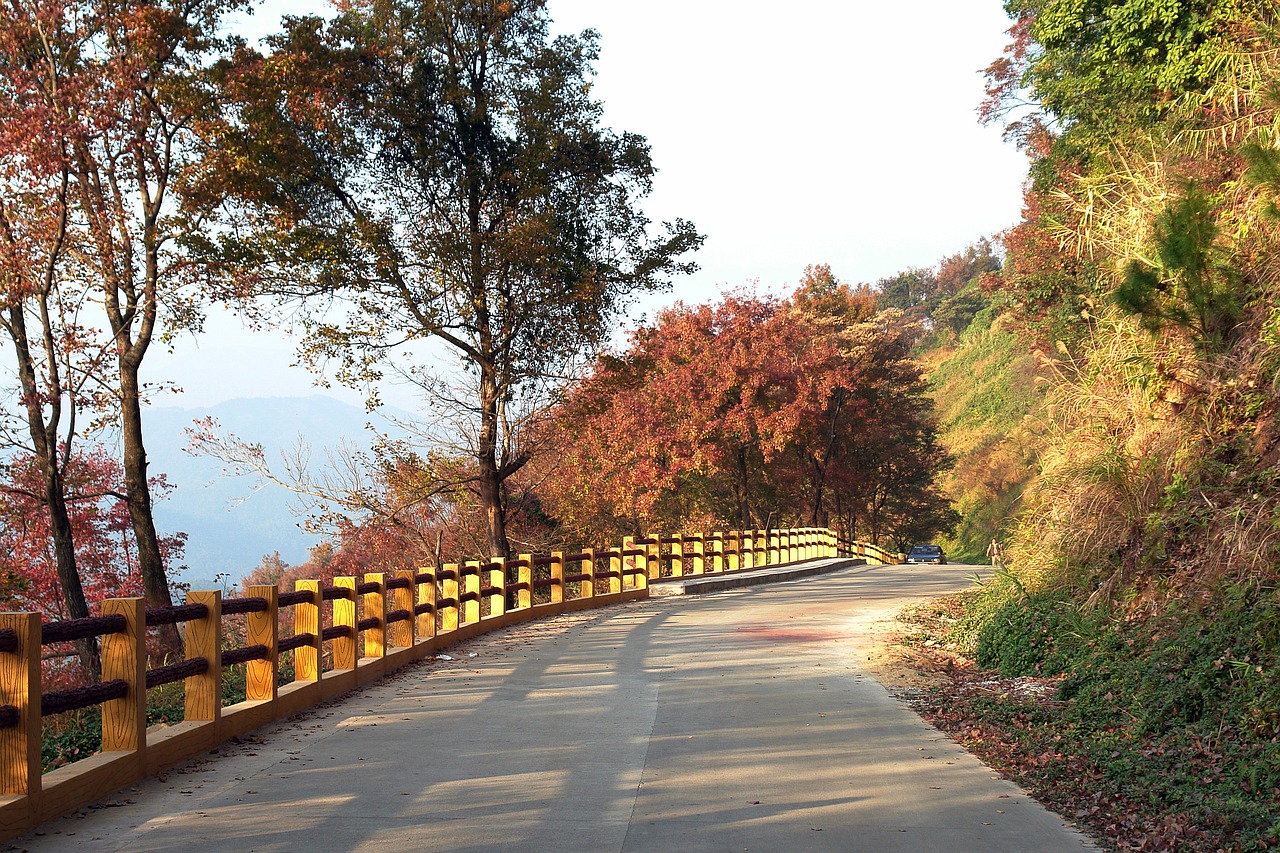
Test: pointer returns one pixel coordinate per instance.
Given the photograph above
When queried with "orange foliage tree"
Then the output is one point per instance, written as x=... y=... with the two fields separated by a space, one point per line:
x=755 y=412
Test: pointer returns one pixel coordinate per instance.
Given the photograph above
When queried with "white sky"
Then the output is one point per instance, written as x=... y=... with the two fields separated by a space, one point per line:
x=820 y=132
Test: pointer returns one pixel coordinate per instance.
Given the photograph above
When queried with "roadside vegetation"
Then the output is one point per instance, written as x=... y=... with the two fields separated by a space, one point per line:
x=1113 y=413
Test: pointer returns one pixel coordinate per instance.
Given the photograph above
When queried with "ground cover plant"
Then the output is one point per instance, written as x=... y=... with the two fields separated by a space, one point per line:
x=1157 y=733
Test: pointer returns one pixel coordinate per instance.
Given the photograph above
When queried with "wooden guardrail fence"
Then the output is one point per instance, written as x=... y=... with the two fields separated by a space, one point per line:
x=374 y=626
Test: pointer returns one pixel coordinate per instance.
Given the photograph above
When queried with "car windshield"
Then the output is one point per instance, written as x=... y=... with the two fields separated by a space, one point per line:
x=926 y=549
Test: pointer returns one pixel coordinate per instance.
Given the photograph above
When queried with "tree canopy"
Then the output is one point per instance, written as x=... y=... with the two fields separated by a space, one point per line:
x=441 y=170
x=754 y=412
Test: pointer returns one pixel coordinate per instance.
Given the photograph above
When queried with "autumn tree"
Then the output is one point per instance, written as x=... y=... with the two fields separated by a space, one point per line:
x=106 y=558
x=755 y=412
x=104 y=102
x=440 y=170
x=35 y=248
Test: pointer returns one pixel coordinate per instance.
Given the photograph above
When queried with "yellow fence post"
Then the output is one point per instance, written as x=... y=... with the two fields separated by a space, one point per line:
x=450 y=591
x=20 y=687
x=306 y=620
x=717 y=552
x=425 y=627
x=587 y=588
x=653 y=557
x=498 y=583
x=471 y=590
x=124 y=657
x=677 y=555
x=203 y=639
x=698 y=555
x=733 y=551
x=374 y=605
x=524 y=577
x=400 y=634
x=344 y=614
x=615 y=569
x=557 y=577
x=775 y=547
x=638 y=561
x=262 y=628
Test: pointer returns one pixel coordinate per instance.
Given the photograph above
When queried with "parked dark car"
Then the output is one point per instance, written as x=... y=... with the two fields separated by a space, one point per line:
x=927 y=554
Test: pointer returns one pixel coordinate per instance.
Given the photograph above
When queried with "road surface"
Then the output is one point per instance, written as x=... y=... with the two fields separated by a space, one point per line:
x=732 y=721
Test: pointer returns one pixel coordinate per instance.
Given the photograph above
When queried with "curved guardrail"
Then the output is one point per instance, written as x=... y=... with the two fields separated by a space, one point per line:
x=341 y=636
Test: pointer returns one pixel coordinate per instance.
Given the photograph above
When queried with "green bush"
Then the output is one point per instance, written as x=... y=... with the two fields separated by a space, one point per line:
x=1036 y=634
x=1176 y=712
x=1217 y=663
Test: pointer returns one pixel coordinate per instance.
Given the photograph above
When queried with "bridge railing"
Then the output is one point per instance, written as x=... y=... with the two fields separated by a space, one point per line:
x=340 y=636
x=871 y=553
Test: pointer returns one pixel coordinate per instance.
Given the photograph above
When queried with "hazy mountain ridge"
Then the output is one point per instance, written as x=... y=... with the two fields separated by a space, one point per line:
x=232 y=522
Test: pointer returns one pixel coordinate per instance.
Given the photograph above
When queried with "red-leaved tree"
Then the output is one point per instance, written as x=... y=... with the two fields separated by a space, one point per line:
x=754 y=412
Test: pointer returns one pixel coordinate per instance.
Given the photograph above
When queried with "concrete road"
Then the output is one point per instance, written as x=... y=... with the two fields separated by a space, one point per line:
x=733 y=721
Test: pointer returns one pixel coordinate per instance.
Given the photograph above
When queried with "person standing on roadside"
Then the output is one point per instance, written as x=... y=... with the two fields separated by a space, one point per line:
x=995 y=552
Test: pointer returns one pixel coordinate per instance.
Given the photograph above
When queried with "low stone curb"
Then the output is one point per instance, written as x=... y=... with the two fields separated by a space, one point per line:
x=694 y=585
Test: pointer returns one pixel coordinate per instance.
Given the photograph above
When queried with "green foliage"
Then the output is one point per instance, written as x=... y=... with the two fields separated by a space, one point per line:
x=1034 y=634
x=987 y=392
x=1104 y=65
x=943 y=298
x=442 y=170
x=1171 y=718
x=1192 y=286
x=1189 y=666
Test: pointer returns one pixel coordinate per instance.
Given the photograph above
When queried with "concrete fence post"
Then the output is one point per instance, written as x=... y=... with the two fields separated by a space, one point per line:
x=344 y=614
x=374 y=605
x=653 y=559
x=306 y=620
x=677 y=555
x=400 y=634
x=426 y=593
x=450 y=581
x=587 y=588
x=615 y=569
x=557 y=577
x=524 y=576
x=20 y=744
x=697 y=556
x=471 y=590
x=203 y=639
x=497 y=582
x=124 y=657
x=263 y=629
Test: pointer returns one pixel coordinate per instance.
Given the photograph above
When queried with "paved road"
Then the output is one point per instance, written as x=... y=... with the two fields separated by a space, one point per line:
x=735 y=721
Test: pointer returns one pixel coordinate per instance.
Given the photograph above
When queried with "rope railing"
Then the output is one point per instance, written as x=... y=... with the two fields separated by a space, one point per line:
x=339 y=636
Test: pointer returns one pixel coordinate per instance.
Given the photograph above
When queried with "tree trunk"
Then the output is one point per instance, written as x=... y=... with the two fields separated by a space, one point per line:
x=44 y=440
x=68 y=573
x=491 y=474
x=155 y=583
x=744 y=502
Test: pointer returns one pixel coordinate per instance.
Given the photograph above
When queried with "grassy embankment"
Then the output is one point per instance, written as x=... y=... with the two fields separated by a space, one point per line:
x=1126 y=667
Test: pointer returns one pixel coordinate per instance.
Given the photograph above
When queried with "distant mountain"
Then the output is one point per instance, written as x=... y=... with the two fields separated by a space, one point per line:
x=232 y=522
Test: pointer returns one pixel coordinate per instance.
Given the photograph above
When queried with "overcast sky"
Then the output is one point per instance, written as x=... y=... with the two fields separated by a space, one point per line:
x=822 y=132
